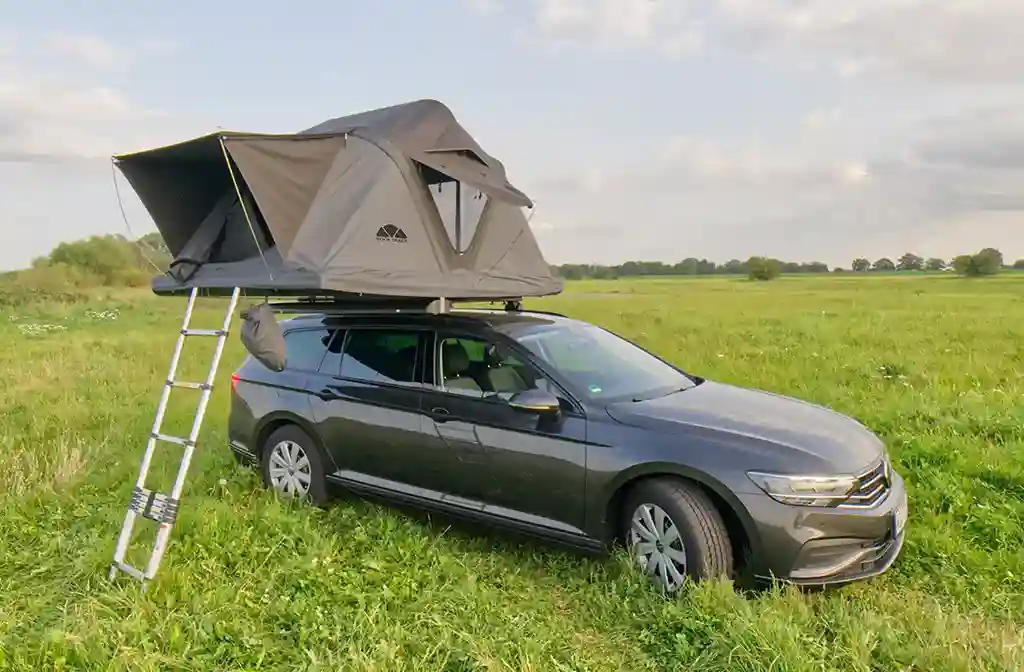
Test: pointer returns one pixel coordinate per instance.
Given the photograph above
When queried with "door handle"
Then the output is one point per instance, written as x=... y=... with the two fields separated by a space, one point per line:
x=440 y=414
x=328 y=394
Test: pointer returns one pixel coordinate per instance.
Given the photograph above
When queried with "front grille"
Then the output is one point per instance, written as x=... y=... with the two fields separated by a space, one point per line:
x=873 y=486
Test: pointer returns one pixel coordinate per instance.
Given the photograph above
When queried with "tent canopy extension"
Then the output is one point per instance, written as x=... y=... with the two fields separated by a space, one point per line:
x=395 y=202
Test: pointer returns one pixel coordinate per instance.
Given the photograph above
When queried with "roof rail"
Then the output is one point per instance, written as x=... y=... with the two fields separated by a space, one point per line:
x=377 y=305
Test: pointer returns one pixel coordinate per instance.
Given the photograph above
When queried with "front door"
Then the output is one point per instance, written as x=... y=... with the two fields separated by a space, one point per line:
x=508 y=462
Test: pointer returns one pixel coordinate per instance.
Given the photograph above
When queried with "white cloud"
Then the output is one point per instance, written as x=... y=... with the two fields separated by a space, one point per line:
x=53 y=115
x=702 y=197
x=614 y=24
x=954 y=39
x=821 y=119
x=486 y=6
x=960 y=39
x=92 y=50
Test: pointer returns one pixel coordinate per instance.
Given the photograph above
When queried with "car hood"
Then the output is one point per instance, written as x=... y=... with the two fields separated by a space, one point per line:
x=826 y=436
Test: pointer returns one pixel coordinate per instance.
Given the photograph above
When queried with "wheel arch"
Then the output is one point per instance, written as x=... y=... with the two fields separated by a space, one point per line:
x=745 y=540
x=274 y=421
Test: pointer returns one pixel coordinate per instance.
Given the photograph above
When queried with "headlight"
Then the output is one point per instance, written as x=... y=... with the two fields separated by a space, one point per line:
x=804 y=490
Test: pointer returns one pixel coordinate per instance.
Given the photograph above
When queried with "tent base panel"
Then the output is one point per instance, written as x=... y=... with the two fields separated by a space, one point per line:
x=268 y=276
x=307 y=300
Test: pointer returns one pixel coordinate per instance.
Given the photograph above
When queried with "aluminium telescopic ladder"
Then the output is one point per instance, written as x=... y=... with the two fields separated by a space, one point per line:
x=159 y=507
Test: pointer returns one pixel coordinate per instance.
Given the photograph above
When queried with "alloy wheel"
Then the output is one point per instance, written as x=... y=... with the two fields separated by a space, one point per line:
x=290 y=469
x=657 y=546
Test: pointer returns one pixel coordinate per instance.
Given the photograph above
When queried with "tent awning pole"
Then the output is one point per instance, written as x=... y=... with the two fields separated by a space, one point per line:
x=245 y=211
x=458 y=216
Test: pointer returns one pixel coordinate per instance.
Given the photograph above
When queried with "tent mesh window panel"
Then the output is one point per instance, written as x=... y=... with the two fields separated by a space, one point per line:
x=460 y=226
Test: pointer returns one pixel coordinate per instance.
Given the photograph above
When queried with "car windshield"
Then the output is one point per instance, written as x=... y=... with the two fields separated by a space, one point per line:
x=602 y=364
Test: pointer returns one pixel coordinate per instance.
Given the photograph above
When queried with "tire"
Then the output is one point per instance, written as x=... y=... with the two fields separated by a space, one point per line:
x=699 y=550
x=290 y=448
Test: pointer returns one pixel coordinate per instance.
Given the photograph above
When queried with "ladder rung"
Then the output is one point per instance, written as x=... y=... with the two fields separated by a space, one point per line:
x=204 y=332
x=128 y=569
x=181 y=441
x=189 y=385
x=154 y=505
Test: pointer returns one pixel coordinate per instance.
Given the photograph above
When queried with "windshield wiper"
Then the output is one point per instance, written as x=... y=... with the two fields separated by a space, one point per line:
x=654 y=395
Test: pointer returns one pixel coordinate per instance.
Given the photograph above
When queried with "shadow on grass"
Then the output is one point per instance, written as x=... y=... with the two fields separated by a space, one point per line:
x=530 y=551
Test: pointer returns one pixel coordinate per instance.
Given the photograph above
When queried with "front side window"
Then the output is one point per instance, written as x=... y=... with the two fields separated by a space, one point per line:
x=478 y=368
x=381 y=355
x=602 y=364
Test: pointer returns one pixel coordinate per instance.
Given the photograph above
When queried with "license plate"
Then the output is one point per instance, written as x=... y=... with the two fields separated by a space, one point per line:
x=899 y=517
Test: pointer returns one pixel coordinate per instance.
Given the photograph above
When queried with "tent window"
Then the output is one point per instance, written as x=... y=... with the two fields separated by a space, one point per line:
x=460 y=230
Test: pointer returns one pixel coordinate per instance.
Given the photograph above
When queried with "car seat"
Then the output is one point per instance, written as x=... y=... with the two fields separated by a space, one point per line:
x=454 y=364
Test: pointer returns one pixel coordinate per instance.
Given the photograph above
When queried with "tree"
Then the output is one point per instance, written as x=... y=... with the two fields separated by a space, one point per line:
x=861 y=265
x=884 y=264
x=1019 y=264
x=763 y=268
x=990 y=260
x=964 y=264
x=986 y=262
x=910 y=262
x=935 y=264
x=814 y=267
x=735 y=266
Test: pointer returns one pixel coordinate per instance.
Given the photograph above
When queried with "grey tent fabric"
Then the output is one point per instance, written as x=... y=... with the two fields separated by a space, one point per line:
x=262 y=337
x=343 y=207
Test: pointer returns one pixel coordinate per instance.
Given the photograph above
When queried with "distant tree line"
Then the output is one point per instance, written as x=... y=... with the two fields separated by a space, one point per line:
x=688 y=266
x=988 y=261
x=985 y=262
x=73 y=270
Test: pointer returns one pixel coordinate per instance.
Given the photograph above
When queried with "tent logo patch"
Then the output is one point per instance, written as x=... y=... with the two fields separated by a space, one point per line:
x=390 y=233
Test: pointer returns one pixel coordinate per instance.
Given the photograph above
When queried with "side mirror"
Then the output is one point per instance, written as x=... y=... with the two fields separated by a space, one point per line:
x=535 y=401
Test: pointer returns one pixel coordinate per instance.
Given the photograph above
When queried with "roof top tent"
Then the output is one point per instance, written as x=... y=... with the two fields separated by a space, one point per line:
x=362 y=207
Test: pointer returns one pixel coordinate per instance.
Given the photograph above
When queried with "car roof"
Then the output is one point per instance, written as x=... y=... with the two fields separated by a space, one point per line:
x=504 y=321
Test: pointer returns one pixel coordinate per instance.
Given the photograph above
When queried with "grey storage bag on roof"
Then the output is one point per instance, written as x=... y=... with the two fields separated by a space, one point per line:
x=262 y=337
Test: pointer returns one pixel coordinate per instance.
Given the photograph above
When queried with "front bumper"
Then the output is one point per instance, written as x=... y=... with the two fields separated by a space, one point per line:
x=828 y=546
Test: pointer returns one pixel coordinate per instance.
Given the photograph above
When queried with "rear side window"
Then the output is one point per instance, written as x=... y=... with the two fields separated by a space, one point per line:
x=381 y=355
x=305 y=348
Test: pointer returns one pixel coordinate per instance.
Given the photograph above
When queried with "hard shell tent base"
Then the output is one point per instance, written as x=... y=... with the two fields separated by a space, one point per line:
x=159 y=507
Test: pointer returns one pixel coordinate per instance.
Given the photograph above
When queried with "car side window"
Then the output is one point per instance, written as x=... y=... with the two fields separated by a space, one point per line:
x=305 y=348
x=381 y=355
x=475 y=367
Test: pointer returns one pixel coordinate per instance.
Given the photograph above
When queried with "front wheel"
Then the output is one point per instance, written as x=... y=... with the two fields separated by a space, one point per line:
x=675 y=533
x=290 y=464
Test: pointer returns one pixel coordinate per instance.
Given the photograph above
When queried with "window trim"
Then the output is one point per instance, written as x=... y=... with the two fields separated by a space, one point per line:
x=416 y=384
x=334 y=329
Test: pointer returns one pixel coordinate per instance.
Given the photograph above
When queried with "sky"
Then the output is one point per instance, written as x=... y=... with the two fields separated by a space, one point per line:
x=642 y=129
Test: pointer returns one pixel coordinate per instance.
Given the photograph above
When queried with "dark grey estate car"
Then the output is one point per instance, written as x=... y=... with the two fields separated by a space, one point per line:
x=561 y=429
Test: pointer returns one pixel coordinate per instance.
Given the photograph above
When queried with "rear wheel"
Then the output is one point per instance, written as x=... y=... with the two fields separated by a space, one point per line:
x=290 y=464
x=675 y=534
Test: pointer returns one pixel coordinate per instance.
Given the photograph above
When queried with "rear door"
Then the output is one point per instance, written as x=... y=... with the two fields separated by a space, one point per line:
x=368 y=403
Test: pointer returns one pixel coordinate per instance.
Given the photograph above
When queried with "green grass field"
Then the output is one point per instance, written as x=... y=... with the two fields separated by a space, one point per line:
x=935 y=365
